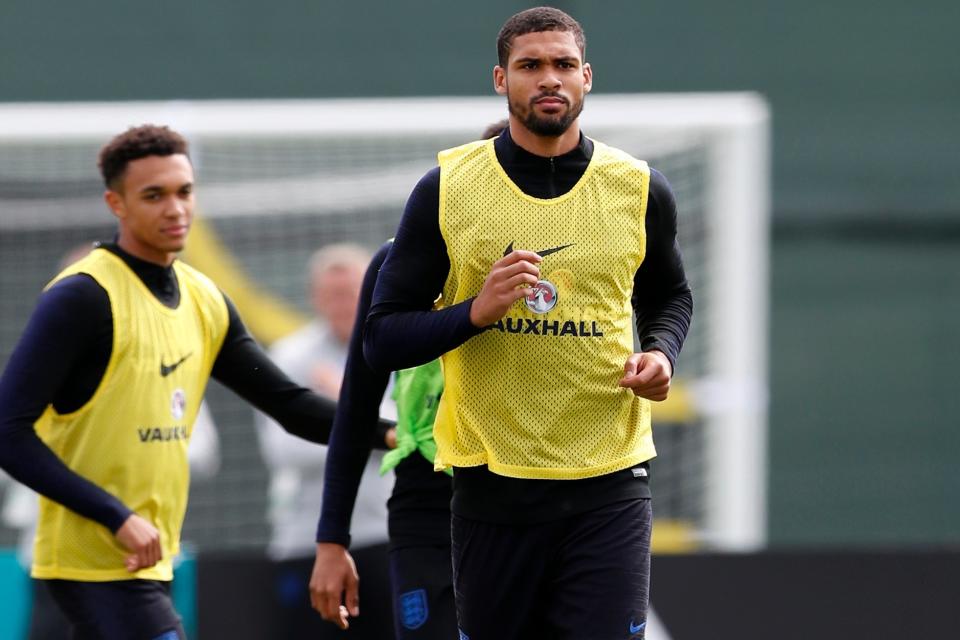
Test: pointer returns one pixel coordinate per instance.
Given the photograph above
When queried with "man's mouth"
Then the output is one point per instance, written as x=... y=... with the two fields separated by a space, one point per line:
x=550 y=101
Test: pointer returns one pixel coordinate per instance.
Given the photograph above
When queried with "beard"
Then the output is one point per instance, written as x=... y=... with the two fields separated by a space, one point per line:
x=552 y=126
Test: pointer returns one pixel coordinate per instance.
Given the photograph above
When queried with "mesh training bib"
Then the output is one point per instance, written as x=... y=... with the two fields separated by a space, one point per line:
x=131 y=437
x=536 y=394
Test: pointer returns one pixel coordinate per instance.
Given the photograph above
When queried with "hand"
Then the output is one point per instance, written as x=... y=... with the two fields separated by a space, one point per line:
x=648 y=375
x=504 y=286
x=390 y=438
x=335 y=581
x=143 y=540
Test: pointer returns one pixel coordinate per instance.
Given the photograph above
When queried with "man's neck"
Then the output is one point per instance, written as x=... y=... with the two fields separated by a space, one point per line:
x=545 y=146
x=137 y=250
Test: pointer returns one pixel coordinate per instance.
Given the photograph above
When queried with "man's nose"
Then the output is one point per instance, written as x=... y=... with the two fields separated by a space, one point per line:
x=177 y=207
x=549 y=81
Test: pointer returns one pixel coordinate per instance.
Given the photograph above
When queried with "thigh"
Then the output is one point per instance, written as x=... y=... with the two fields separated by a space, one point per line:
x=376 y=608
x=47 y=622
x=499 y=573
x=422 y=584
x=601 y=581
x=119 y=610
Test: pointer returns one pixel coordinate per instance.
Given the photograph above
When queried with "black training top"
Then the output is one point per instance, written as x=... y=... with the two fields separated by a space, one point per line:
x=420 y=502
x=63 y=354
x=402 y=330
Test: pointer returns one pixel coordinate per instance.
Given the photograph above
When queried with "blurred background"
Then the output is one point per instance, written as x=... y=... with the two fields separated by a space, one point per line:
x=864 y=281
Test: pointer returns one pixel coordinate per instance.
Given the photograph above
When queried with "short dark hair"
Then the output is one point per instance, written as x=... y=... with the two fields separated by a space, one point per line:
x=135 y=143
x=534 y=21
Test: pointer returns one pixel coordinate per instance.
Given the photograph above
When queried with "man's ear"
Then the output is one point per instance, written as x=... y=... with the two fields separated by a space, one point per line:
x=500 y=80
x=587 y=77
x=115 y=203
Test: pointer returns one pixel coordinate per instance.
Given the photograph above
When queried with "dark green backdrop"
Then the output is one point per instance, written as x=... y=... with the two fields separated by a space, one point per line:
x=866 y=251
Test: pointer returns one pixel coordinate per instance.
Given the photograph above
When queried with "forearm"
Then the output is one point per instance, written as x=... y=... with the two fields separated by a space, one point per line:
x=244 y=368
x=662 y=300
x=664 y=327
x=28 y=460
x=403 y=339
x=61 y=355
x=354 y=426
x=402 y=328
x=347 y=458
x=296 y=409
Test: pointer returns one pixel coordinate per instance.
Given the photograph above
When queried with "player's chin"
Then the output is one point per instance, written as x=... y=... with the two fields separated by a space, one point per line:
x=174 y=245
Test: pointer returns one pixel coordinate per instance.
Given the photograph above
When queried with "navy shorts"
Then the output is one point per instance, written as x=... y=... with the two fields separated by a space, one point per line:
x=118 y=610
x=422 y=584
x=583 y=577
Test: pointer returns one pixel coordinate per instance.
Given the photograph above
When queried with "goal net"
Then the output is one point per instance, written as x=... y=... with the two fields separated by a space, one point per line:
x=278 y=179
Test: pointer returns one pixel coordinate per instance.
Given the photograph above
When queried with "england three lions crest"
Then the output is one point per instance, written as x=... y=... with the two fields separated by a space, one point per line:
x=413 y=608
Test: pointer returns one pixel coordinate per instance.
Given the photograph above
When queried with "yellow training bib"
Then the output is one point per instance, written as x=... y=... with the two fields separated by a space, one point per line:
x=131 y=437
x=536 y=394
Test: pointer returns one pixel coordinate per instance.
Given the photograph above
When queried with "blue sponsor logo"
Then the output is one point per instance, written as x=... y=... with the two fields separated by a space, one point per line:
x=413 y=609
x=637 y=628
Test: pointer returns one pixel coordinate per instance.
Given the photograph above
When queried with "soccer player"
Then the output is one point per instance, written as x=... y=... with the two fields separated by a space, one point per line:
x=539 y=242
x=98 y=399
x=419 y=509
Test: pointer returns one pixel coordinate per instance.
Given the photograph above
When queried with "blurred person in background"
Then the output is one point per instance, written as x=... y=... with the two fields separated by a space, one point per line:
x=538 y=243
x=315 y=356
x=419 y=506
x=99 y=398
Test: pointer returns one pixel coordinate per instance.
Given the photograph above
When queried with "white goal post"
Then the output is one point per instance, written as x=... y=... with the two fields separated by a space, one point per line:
x=276 y=177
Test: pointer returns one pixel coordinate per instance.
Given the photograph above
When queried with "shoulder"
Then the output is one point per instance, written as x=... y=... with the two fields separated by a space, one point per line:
x=77 y=292
x=448 y=156
x=75 y=304
x=430 y=182
x=425 y=197
x=617 y=162
x=380 y=256
x=661 y=193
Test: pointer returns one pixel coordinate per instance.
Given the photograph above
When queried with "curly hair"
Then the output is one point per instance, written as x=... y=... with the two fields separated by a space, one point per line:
x=135 y=143
x=534 y=21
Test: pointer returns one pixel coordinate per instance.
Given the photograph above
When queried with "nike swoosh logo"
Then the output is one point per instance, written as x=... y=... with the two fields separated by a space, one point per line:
x=636 y=628
x=166 y=370
x=544 y=252
x=547 y=252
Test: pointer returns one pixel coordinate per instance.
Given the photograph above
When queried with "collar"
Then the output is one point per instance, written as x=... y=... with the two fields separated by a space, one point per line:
x=162 y=281
x=509 y=153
